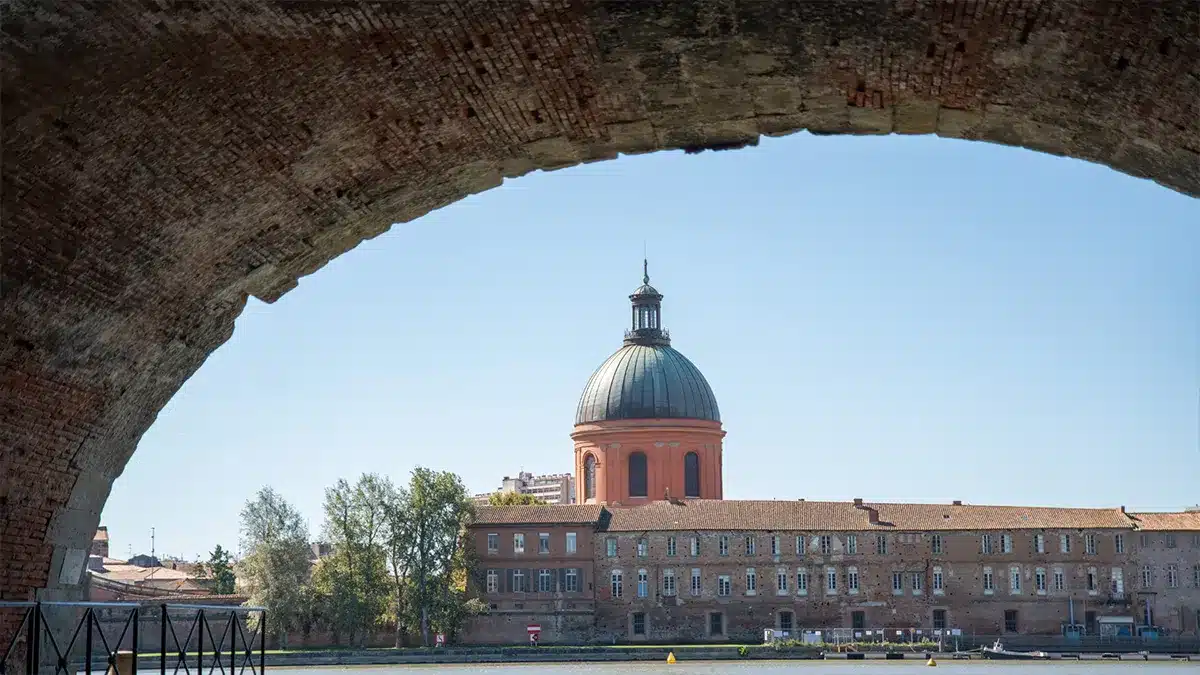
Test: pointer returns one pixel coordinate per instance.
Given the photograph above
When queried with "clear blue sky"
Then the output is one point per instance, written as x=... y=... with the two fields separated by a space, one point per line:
x=896 y=318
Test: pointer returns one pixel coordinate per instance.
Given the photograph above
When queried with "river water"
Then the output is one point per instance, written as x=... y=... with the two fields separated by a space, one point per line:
x=768 y=668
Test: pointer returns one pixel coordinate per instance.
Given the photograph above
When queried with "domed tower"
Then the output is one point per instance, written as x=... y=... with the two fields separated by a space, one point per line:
x=647 y=426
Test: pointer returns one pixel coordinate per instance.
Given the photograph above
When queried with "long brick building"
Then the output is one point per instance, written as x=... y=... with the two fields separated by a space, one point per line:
x=652 y=553
x=700 y=570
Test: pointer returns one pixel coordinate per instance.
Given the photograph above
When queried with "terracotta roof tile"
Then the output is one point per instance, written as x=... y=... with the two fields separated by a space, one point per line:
x=1168 y=522
x=846 y=516
x=539 y=514
x=982 y=517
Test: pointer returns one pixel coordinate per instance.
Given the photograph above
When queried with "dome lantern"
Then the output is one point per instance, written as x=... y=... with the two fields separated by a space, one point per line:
x=647 y=314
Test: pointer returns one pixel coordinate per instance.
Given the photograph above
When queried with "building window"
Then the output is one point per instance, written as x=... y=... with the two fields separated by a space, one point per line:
x=1064 y=543
x=1170 y=538
x=643 y=548
x=668 y=582
x=936 y=544
x=723 y=544
x=716 y=623
x=1010 y=621
x=639 y=623
x=781 y=581
x=851 y=543
x=1060 y=583
x=493 y=544
x=786 y=621
x=1196 y=576
x=643 y=584
x=1089 y=544
x=1006 y=543
x=749 y=544
x=637 y=474
x=989 y=585
x=1147 y=576
x=939 y=619
x=1144 y=541
x=691 y=475
x=571 y=542
x=1014 y=580
x=826 y=544
x=696 y=581
x=616 y=584
x=881 y=544
x=917 y=582
x=571 y=581
x=852 y=580
x=897 y=583
x=610 y=547
x=938 y=589
x=1172 y=576
x=493 y=581
x=1118 y=581
x=518 y=543
x=858 y=620
x=985 y=544
x=694 y=546
x=518 y=584
x=723 y=585
x=544 y=542
x=801 y=544
x=545 y=581
x=1119 y=543
x=774 y=544
x=1092 y=587
x=1039 y=581
x=1039 y=543
x=589 y=477
x=830 y=580
x=801 y=581
x=671 y=546
x=1195 y=540
x=751 y=581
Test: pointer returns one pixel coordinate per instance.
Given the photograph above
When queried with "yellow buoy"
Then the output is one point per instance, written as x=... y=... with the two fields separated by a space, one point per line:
x=931 y=662
x=670 y=657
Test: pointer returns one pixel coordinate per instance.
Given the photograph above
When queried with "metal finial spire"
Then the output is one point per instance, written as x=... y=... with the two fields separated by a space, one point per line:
x=645 y=271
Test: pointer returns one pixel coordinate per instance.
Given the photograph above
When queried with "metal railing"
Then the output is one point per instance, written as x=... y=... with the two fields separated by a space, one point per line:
x=65 y=637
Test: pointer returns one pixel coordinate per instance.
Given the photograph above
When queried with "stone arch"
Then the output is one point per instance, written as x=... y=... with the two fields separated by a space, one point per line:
x=143 y=201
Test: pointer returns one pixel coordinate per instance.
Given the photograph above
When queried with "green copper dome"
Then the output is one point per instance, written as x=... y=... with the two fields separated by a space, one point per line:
x=647 y=378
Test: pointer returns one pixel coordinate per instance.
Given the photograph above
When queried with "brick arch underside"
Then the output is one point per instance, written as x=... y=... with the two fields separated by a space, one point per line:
x=160 y=165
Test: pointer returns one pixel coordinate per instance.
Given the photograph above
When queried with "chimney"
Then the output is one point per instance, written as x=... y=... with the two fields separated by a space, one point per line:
x=957 y=502
x=858 y=502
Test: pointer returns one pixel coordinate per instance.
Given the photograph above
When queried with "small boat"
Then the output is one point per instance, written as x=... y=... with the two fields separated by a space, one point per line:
x=997 y=651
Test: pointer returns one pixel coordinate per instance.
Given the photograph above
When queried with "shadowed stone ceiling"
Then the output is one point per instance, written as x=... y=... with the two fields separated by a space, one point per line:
x=162 y=161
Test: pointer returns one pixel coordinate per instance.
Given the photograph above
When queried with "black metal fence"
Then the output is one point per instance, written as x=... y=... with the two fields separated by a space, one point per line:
x=117 y=638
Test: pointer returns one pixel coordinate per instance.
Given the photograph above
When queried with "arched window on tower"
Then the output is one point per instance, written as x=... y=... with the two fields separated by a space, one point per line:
x=589 y=477
x=637 y=474
x=691 y=475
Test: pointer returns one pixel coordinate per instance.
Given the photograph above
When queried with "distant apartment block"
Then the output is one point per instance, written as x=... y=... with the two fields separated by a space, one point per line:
x=555 y=488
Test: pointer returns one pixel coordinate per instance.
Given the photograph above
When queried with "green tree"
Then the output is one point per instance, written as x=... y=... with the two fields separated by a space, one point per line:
x=353 y=582
x=220 y=568
x=513 y=499
x=436 y=511
x=276 y=567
